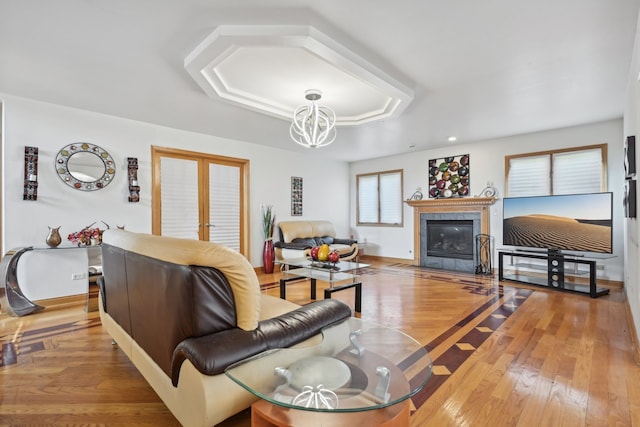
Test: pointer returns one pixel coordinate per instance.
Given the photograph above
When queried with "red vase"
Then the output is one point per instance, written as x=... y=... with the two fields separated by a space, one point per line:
x=268 y=256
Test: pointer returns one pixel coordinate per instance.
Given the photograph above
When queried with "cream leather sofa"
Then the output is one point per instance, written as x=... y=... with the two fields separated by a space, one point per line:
x=298 y=237
x=184 y=310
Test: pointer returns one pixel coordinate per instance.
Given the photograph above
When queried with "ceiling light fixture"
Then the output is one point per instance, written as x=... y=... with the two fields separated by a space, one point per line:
x=452 y=139
x=313 y=125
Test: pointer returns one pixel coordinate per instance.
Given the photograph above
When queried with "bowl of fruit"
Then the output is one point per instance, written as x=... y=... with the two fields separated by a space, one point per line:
x=324 y=254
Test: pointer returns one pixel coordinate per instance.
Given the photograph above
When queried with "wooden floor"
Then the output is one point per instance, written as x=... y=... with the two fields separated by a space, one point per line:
x=504 y=355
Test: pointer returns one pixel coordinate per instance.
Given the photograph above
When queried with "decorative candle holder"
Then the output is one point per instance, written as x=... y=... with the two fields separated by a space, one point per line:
x=30 y=173
x=134 y=188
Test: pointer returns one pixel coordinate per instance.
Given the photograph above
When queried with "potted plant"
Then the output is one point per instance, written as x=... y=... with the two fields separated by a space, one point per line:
x=268 y=252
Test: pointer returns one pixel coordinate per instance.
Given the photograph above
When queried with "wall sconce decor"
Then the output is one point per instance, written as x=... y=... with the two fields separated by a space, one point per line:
x=630 y=207
x=30 y=173
x=630 y=157
x=134 y=188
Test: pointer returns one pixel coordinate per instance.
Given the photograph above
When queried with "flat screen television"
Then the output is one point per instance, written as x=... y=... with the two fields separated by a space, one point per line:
x=572 y=222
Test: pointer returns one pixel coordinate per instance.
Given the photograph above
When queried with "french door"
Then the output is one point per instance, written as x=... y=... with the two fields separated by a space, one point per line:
x=200 y=196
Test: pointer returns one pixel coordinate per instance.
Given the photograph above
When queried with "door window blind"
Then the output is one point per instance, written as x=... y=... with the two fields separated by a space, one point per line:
x=179 y=195
x=224 y=205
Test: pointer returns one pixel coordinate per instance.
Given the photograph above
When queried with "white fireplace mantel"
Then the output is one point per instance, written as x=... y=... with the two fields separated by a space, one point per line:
x=459 y=204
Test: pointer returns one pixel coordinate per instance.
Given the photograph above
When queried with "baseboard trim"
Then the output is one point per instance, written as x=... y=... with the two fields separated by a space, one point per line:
x=635 y=347
x=611 y=284
x=365 y=258
x=61 y=300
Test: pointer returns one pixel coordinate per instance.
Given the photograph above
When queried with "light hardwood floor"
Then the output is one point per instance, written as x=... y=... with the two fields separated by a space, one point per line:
x=504 y=355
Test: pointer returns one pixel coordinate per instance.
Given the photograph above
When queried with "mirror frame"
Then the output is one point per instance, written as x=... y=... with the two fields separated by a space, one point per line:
x=62 y=166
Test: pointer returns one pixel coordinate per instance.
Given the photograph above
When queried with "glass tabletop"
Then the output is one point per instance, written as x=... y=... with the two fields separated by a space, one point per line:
x=321 y=265
x=355 y=366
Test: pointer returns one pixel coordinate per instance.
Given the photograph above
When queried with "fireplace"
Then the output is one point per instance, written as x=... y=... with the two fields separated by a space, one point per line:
x=451 y=235
x=450 y=239
x=445 y=232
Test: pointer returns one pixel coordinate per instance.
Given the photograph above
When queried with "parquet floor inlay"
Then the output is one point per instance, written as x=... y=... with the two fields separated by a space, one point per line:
x=501 y=355
x=457 y=354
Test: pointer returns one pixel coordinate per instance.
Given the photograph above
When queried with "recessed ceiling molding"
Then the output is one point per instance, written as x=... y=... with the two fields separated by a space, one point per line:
x=267 y=68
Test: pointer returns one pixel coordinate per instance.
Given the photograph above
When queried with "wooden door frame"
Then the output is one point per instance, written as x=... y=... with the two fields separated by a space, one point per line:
x=243 y=164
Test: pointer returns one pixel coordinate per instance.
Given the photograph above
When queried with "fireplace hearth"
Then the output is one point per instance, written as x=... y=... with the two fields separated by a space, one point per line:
x=451 y=237
x=445 y=232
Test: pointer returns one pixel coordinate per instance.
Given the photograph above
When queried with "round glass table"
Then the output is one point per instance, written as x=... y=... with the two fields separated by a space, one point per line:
x=356 y=369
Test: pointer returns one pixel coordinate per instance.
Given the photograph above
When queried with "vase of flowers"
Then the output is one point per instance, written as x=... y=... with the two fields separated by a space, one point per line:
x=268 y=252
x=88 y=236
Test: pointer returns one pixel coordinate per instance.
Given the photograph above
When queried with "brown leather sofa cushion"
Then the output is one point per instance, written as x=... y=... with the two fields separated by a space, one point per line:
x=212 y=354
x=236 y=268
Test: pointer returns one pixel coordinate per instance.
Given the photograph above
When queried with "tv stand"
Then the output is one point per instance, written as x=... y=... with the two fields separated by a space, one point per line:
x=556 y=271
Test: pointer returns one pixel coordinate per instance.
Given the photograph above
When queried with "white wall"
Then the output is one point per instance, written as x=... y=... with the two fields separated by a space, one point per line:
x=632 y=231
x=51 y=127
x=53 y=273
x=487 y=165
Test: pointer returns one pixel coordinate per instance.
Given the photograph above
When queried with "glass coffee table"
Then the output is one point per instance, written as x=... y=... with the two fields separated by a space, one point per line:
x=341 y=275
x=357 y=371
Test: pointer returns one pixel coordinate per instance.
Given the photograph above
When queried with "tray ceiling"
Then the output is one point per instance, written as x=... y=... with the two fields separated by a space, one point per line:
x=268 y=68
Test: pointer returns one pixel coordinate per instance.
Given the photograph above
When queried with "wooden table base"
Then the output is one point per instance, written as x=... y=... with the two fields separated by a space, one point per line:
x=265 y=414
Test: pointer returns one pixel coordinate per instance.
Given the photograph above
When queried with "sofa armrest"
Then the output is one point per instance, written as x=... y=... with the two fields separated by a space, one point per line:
x=344 y=241
x=100 y=282
x=212 y=354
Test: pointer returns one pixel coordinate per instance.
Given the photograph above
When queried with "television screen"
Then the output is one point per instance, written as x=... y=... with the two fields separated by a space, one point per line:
x=573 y=222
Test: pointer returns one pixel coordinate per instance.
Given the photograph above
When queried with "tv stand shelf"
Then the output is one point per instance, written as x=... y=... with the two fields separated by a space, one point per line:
x=555 y=271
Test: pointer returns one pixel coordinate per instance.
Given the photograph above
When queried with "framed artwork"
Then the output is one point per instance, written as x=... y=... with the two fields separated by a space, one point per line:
x=449 y=177
x=296 y=196
x=630 y=157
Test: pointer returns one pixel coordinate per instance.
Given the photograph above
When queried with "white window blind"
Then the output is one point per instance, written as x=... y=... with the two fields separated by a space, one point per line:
x=368 y=199
x=529 y=176
x=575 y=171
x=380 y=198
x=390 y=198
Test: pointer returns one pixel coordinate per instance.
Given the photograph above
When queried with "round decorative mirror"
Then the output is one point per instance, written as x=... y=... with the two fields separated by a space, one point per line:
x=85 y=166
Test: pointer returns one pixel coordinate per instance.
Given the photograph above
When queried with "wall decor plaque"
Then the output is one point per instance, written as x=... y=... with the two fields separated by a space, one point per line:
x=449 y=177
x=296 y=196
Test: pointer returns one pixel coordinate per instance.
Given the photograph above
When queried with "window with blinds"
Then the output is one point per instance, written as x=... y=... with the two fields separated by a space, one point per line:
x=568 y=171
x=380 y=198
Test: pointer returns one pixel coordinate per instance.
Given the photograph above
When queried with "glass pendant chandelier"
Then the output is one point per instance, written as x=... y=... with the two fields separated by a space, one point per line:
x=313 y=125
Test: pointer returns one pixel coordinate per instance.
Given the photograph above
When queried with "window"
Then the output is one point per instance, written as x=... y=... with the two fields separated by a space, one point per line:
x=380 y=198
x=566 y=171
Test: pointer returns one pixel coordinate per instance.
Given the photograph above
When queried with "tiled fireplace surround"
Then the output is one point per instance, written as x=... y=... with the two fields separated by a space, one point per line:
x=475 y=209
